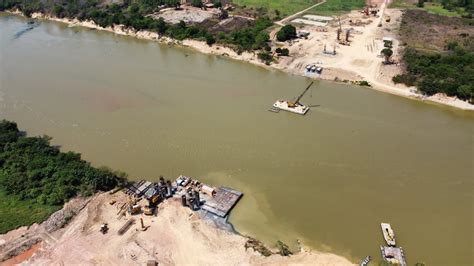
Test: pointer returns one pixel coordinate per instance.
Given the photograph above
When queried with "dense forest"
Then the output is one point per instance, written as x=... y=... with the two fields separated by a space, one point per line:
x=134 y=14
x=450 y=73
x=34 y=174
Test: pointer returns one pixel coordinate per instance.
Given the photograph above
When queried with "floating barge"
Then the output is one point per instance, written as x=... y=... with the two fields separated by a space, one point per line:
x=393 y=255
x=217 y=201
x=194 y=194
x=292 y=106
x=223 y=201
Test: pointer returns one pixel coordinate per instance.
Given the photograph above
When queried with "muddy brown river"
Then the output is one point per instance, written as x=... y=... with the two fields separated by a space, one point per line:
x=358 y=158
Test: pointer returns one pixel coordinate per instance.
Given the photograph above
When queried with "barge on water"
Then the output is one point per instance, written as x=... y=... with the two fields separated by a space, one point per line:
x=294 y=107
x=388 y=234
x=393 y=255
x=193 y=194
x=218 y=201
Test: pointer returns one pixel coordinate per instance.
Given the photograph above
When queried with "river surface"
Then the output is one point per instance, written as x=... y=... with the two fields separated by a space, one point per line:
x=358 y=158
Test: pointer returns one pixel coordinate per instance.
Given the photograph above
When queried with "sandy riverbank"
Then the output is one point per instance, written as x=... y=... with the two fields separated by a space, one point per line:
x=359 y=61
x=176 y=235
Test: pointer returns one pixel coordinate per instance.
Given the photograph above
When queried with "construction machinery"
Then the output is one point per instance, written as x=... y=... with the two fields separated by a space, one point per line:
x=104 y=228
x=133 y=207
x=149 y=210
x=143 y=227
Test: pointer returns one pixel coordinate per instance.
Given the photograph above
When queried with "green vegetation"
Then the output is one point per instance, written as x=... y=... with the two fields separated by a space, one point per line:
x=251 y=38
x=282 y=52
x=15 y=212
x=450 y=8
x=337 y=7
x=283 y=249
x=284 y=7
x=439 y=54
x=265 y=57
x=387 y=53
x=451 y=73
x=196 y=3
x=435 y=8
x=286 y=33
x=258 y=246
x=36 y=178
x=133 y=14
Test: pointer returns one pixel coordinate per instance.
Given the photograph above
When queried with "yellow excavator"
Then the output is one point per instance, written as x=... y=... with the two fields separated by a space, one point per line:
x=297 y=102
x=133 y=207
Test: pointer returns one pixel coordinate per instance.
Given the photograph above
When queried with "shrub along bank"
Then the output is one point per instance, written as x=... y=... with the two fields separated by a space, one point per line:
x=36 y=178
x=133 y=14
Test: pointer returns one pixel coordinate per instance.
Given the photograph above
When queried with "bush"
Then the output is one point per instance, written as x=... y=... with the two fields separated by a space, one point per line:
x=406 y=79
x=217 y=3
x=283 y=249
x=210 y=40
x=265 y=57
x=285 y=52
x=286 y=33
x=196 y=3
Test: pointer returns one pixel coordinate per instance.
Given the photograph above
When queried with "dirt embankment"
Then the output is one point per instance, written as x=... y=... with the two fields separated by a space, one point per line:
x=19 y=241
x=176 y=235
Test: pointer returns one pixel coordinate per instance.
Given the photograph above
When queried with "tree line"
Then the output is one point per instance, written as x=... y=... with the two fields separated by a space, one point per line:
x=133 y=14
x=451 y=73
x=32 y=169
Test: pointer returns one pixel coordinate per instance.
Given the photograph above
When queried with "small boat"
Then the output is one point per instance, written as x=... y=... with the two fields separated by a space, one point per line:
x=365 y=261
x=388 y=234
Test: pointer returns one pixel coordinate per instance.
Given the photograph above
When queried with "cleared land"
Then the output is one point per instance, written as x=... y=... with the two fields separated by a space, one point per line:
x=429 y=32
x=175 y=236
x=286 y=7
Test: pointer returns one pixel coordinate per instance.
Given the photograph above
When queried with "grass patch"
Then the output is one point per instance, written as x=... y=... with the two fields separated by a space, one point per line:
x=431 y=7
x=402 y=4
x=286 y=7
x=438 y=9
x=15 y=212
x=337 y=7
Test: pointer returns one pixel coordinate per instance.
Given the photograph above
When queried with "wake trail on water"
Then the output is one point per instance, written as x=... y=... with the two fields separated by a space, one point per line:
x=30 y=26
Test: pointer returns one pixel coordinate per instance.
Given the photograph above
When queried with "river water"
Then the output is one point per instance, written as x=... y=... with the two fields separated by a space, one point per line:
x=358 y=158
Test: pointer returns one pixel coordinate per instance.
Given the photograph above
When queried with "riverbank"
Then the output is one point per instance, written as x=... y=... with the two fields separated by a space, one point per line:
x=176 y=235
x=352 y=63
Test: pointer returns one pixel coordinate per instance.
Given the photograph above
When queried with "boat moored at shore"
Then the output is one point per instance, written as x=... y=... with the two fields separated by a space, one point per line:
x=388 y=234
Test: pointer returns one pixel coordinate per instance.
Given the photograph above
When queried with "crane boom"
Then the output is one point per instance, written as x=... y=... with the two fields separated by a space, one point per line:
x=301 y=95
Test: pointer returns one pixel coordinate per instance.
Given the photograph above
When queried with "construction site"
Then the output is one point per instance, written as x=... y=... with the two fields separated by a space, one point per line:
x=344 y=47
x=147 y=223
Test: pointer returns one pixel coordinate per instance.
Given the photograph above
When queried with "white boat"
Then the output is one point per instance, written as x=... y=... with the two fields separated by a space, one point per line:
x=388 y=234
x=291 y=107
